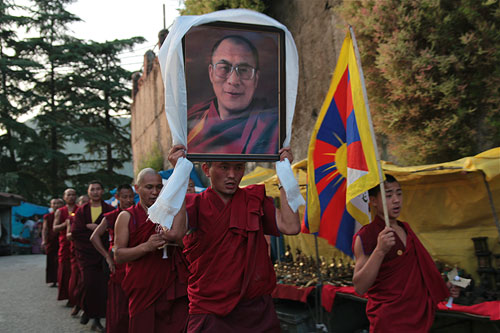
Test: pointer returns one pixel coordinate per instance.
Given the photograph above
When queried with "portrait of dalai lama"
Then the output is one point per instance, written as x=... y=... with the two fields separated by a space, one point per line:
x=233 y=120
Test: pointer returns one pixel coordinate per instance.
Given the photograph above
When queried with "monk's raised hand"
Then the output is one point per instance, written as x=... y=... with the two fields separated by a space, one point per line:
x=386 y=240
x=175 y=153
x=286 y=153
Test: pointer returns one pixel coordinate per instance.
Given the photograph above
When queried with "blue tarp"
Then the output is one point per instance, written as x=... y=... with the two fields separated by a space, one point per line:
x=25 y=209
x=165 y=174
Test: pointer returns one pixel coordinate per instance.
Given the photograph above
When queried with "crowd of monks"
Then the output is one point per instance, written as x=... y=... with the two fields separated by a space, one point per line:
x=205 y=273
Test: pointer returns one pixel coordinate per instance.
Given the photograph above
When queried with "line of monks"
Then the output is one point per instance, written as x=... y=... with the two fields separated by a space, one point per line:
x=78 y=236
x=210 y=272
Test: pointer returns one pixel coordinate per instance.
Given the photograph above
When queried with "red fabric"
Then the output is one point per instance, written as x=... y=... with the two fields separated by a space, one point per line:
x=408 y=287
x=117 y=318
x=119 y=274
x=151 y=276
x=94 y=279
x=117 y=309
x=52 y=241
x=227 y=250
x=64 y=245
x=487 y=309
x=75 y=284
x=163 y=316
x=293 y=293
x=63 y=276
x=51 y=249
x=329 y=292
x=76 y=280
x=51 y=267
x=255 y=134
x=249 y=316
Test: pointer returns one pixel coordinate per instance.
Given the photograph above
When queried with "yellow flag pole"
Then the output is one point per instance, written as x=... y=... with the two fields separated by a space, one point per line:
x=372 y=132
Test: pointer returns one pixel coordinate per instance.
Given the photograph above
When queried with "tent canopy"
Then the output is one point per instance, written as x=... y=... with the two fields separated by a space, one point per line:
x=446 y=204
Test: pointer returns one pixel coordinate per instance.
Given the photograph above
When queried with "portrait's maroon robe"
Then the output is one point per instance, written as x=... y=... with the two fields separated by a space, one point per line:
x=90 y=262
x=51 y=249
x=408 y=287
x=64 y=255
x=232 y=276
x=117 y=304
x=256 y=134
x=156 y=287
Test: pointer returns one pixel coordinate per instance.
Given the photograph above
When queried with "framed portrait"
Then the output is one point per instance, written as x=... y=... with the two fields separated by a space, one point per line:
x=235 y=89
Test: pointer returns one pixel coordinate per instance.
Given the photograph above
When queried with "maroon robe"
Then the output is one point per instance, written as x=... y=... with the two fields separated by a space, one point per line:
x=51 y=249
x=64 y=264
x=117 y=305
x=408 y=287
x=75 y=281
x=232 y=276
x=91 y=262
x=156 y=287
x=257 y=133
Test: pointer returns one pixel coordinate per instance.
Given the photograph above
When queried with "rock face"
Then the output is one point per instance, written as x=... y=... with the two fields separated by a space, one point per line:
x=318 y=32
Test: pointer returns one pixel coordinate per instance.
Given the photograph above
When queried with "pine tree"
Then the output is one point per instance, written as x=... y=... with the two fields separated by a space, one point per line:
x=20 y=146
x=56 y=117
x=101 y=95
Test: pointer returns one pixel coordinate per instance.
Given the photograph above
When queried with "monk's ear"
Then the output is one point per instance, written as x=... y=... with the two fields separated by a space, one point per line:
x=205 y=169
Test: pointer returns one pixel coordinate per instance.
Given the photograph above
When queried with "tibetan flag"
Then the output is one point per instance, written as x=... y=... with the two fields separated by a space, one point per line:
x=342 y=164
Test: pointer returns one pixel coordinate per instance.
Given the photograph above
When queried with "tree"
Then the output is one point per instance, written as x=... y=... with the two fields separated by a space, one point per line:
x=432 y=70
x=100 y=95
x=18 y=152
x=198 y=7
x=55 y=119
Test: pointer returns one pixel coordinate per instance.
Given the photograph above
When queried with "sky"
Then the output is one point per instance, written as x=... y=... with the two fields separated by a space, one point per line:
x=120 y=19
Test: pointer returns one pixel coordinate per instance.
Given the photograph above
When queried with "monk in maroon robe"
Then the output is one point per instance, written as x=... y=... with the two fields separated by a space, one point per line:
x=87 y=218
x=75 y=281
x=232 y=276
x=60 y=224
x=401 y=280
x=234 y=122
x=117 y=304
x=155 y=278
x=50 y=242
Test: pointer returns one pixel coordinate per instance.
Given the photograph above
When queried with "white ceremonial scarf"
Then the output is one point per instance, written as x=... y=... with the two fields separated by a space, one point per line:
x=171 y=61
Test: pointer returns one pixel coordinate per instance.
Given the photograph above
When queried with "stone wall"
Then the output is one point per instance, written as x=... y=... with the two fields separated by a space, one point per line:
x=318 y=33
x=149 y=125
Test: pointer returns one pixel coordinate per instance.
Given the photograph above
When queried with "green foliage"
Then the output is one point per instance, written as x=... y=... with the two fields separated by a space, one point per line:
x=198 y=7
x=77 y=90
x=154 y=159
x=432 y=70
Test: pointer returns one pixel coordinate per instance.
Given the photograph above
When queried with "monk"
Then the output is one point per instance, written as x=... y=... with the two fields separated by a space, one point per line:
x=155 y=284
x=50 y=242
x=75 y=281
x=232 y=276
x=395 y=270
x=117 y=304
x=64 y=264
x=233 y=122
x=87 y=218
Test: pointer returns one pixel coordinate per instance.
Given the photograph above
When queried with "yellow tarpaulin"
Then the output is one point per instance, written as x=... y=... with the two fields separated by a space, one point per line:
x=446 y=204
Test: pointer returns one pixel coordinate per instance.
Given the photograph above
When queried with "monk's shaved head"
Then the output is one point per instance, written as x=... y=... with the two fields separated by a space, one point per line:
x=140 y=176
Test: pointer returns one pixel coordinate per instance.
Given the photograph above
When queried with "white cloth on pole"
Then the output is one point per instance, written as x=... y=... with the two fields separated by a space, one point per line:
x=289 y=183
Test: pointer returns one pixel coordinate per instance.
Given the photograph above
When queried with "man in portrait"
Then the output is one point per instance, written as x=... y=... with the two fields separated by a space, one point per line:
x=234 y=121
